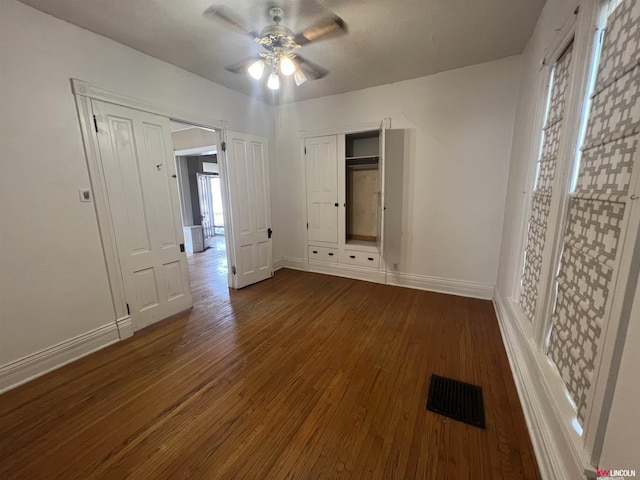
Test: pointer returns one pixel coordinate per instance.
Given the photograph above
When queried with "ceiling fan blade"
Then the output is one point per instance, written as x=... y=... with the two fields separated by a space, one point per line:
x=241 y=66
x=311 y=69
x=223 y=14
x=325 y=28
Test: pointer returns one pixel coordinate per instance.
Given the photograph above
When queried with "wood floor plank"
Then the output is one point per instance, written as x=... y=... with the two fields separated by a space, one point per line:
x=301 y=376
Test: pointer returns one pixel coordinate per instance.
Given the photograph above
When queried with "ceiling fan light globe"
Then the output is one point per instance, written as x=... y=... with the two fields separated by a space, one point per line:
x=299 y=77
x=274 y=82
x=256 y=69
x=287 y=67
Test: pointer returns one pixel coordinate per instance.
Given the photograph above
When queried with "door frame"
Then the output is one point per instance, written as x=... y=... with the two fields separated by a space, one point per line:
x=83 y=93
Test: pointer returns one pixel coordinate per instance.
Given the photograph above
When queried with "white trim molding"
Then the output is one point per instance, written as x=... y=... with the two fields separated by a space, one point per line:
x=35 y=365
x=420 y=282
x=125 y=327
x=441 y=285
x=294 y=263
x=84 y=89
x=354 y=128
x=548 y=418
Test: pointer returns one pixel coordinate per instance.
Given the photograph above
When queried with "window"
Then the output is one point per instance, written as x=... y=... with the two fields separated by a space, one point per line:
x=545 y=172
x=597 y=207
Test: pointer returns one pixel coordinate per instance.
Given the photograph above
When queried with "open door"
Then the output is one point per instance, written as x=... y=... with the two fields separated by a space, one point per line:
x=140 y=177
x=205 y=198
x=386 y=123
x=247 y=166
x=396 y=152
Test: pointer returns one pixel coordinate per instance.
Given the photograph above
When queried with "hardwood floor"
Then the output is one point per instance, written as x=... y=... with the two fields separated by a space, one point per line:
x=302 y=376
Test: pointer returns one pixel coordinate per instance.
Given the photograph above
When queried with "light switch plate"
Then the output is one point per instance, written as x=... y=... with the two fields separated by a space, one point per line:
x=85 y=195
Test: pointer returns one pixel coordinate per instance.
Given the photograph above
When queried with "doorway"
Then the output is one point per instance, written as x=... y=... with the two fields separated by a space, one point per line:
x=135 y=187
x=201 y=198
x=211 y=210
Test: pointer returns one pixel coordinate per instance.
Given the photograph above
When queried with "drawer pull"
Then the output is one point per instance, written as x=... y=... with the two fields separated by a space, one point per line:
x=315 y=251
x=371 y=258
x=330 y=254
x=352 y=256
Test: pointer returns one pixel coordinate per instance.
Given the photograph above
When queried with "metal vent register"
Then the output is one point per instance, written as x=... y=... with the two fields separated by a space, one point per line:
x=458 y=400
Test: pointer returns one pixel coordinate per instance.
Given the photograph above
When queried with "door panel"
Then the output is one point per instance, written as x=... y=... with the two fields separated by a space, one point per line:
x=322 y=188
x=248 y=172
x=173 y=277
x=137 y=160
x=163 y=220
x=146 y=288
x=323 y=221
x=124 y=172
x=381 y=178
x=395 y=155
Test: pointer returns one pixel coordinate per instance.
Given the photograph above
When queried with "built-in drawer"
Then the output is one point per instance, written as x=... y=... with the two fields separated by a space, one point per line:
x=362 y=259
x=323 y=254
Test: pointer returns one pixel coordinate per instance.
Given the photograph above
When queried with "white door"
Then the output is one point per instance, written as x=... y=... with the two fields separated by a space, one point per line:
x=247 y=165
x=381 y=174
x=205 y=198
x=139 y=170
x=394 y=159
x=322 y=188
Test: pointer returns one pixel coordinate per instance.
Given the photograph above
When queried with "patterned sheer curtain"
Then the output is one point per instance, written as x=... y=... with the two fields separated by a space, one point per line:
x=545 y=172
x=597 y=207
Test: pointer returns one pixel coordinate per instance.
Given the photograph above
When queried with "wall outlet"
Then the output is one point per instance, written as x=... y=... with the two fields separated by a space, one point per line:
x=85 y=195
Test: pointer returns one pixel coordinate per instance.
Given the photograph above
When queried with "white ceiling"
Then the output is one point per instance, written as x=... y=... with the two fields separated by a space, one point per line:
x=388 y=40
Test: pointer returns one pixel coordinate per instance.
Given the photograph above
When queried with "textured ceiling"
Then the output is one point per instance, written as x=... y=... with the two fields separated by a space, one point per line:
x=388 y=40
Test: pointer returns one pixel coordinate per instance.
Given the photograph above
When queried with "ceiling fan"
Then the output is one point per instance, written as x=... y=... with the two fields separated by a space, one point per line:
x=281 y=45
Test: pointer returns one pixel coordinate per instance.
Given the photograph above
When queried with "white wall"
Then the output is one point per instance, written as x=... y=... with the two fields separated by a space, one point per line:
x=53 y=282
x=456 y=180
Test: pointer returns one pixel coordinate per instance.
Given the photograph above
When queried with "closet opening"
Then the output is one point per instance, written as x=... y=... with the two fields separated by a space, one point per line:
x=362 y=187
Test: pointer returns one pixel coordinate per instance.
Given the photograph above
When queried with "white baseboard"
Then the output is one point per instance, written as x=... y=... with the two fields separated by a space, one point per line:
x=555 y=449
x=420 y=282
x=294 y=263
x=441 y=285
x=278 y=263
x=125 y=327
x=27 y=368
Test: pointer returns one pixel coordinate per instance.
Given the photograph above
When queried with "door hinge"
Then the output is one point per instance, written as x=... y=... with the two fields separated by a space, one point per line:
x=224 y=146
x=307 y=225
x=233 y=269
x=182 y=247
x=305 y=150
x=269 y=232
x=95 y=123
x=128 y=311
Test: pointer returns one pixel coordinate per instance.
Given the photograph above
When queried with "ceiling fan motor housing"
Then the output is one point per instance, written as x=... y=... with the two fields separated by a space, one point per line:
x=277 y=37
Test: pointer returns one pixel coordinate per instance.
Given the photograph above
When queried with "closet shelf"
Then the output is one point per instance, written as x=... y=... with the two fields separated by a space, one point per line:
x=363 y=162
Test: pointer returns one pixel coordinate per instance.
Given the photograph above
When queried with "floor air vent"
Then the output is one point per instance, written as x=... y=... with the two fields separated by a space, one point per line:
x=458 y=400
